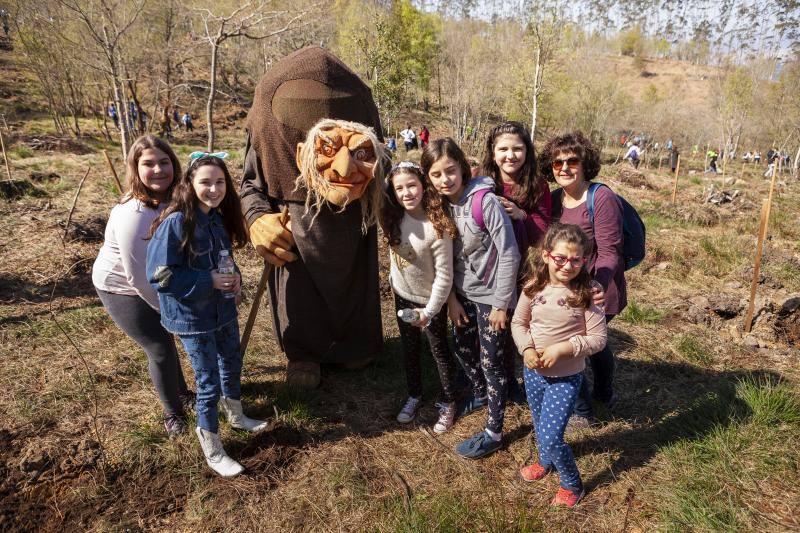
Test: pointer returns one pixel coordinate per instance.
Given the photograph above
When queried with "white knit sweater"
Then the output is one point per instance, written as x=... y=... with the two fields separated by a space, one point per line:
x=422 y=265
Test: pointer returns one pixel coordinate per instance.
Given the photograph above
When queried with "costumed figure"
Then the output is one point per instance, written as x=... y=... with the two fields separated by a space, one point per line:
x=324 y=287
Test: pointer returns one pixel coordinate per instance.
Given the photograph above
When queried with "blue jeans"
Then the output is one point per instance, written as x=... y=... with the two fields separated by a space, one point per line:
x=217 y=363
x=552 y=401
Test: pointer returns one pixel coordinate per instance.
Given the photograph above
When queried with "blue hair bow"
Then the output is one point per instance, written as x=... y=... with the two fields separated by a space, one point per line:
x=196 y=155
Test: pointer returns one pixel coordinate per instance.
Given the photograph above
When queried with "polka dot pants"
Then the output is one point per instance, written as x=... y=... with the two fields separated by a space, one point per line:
x=552 y=401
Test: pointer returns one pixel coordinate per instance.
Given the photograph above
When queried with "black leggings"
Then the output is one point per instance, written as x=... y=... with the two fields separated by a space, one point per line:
x=411 y=337
x=142 y=323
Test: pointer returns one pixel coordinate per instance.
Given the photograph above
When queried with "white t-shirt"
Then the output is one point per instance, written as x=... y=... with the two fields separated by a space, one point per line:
x=120 y=265
x=407 y=135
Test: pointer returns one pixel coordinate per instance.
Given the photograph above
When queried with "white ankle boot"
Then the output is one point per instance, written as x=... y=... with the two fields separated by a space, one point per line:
x=232 y=409
x=216 y=457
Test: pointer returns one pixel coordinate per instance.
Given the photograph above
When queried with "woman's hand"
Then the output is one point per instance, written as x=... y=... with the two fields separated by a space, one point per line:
x=456 y=312
x=514 y=212
x=531 y=358
x=598 y=294
x=423 y=321
x=554 y=352
x=225 y=282
x=497 y=319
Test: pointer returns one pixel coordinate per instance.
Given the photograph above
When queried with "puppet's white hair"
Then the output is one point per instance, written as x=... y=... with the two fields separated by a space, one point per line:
x=318 y=187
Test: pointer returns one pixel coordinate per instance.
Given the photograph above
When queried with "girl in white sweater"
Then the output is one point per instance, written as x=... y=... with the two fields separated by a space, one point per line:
x=420 y=236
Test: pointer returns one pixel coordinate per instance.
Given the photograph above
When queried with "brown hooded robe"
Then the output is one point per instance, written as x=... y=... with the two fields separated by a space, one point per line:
x=326 y=304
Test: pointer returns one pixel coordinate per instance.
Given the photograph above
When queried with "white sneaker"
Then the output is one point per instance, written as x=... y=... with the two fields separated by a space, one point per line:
x=409 y=411
x=232 y=409
x=215 y=454
x=447 y=415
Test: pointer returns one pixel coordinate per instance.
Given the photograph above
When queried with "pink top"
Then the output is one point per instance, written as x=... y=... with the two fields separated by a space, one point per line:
x=547 y=319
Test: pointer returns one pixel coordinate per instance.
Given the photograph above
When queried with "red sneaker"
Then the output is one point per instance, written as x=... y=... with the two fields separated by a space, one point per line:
x=533 y=472
x=567 y=497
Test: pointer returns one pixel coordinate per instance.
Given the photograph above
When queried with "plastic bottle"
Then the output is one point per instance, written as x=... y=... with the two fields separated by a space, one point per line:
x=225 y=265
x=408 y=315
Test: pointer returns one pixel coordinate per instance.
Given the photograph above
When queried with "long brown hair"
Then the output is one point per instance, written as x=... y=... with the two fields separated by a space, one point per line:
x=184 y=200
x=539 y=276
x=528 y=183
x=137 y=189
x=392 y=212
x=440 y=148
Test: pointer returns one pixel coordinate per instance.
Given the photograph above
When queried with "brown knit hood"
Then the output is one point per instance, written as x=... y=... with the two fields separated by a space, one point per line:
x=301 y=89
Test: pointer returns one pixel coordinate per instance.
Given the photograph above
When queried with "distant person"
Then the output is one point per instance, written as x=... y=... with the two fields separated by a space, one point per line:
x=634 y=154
x=132 y=115
x=391 y=144
x=119 y=276
x=409 y=137
x=187 y=121
x=668 y=146
x=772 y=160
x=176 y=117
x=712 y=161
x=165 y=124
x=143 y=116
x=673 y=158
x=757 y=157
x=424 y=136
x=747 y=156
x=112 y=113
x=4 y=17
x=474 y=167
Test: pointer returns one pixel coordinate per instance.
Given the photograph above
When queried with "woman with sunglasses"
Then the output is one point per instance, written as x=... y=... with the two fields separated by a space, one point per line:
x=572 y=161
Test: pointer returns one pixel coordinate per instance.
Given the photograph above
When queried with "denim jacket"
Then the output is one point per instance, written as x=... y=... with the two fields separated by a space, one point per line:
x=189 y=302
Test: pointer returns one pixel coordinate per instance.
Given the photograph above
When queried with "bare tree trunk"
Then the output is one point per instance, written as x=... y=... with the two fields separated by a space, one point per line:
x=211 y=95
x=536 y=83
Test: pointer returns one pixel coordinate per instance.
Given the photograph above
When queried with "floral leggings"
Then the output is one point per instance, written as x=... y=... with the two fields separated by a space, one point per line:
x=552 y=401
x=480 y=351
x=436 y=332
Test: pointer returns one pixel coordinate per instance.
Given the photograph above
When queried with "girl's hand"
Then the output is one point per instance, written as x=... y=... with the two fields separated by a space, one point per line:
x=497 y=319
x=238 y=299
x=554 y=352
x=237 y=286
x=598 y=294
x=423 y=319
x=531 y=358
x=456 y=312
x=514 y=212
x=224 y=282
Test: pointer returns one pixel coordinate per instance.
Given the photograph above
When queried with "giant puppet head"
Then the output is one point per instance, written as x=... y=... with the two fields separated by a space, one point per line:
x=341 y=162
x=291 y=102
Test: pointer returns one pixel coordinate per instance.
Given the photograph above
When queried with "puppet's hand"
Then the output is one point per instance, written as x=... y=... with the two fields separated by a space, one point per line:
x=272 y=238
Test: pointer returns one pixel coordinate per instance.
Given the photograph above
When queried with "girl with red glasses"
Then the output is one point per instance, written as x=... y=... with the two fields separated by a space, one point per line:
x=556 y=326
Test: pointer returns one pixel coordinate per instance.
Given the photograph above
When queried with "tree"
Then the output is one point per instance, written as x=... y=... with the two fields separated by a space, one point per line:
x=253 y=20
x=545 y=35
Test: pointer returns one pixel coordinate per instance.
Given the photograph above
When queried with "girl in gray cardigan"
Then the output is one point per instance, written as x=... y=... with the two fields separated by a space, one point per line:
x=485 y=261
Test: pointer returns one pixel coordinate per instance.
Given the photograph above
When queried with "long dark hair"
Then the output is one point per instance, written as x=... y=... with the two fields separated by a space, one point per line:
x=184 y=200
x=528 y=183
x=440 y=148
x=136 y=189
x=539 y=276
x=392 y=212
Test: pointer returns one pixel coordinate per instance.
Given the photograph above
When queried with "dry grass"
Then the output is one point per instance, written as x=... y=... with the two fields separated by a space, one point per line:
x=702 y=439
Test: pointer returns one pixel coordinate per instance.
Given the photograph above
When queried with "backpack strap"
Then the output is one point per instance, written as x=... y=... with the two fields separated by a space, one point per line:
x=590 y=202
x=476 y=208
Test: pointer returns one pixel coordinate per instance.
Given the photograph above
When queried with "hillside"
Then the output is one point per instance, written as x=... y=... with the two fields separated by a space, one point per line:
x=704 y=437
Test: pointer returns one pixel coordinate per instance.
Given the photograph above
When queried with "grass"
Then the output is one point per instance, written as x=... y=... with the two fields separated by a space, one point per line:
x=21 y=152
x=721 y=254
x=636 y=313
x=694 y=350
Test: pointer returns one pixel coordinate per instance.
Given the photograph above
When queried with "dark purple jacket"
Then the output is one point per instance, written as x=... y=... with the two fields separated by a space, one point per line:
x=606 y=262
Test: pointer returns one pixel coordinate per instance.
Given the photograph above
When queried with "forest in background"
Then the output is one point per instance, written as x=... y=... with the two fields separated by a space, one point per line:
x=468 y=63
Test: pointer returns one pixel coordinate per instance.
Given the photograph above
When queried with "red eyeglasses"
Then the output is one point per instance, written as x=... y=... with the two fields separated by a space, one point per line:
x=571 y=162
x=560 y=260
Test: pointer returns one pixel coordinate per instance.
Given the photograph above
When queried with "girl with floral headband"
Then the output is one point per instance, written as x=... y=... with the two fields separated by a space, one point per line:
x=198 y=300
x=420 y=235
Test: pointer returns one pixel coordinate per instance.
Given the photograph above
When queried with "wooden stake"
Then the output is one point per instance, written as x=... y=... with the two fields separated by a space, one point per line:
x=74 y=202
x=766 y=207
x=659 y=162
x=675 y=186
x=3 y=146
x=113 y=171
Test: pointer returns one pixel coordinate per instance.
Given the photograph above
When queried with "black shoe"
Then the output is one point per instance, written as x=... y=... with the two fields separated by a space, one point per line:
x=187 y=400
x=175 y=425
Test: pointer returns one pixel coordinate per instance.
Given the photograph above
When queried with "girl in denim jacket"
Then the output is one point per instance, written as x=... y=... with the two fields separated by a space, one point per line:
x=195 y=299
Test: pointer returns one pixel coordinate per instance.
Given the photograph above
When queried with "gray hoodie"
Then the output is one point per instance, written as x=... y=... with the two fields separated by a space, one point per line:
x=485 y=262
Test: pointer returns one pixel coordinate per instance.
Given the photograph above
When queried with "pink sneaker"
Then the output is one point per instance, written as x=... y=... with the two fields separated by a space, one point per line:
x=533 y=472
x=567 y=497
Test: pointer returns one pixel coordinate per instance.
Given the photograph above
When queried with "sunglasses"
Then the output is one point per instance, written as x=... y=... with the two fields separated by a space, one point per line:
x=560 y=260
x=572 y=163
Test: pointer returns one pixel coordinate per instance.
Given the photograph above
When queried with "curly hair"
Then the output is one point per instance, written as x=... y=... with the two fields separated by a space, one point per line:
x=576 y=143
x=184 y=200
x=528 y=182
x=539 y=276
x=392 y=212
x=136 y=189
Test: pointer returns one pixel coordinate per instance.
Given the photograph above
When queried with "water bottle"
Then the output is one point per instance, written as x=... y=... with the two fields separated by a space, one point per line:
x=225 y=265
x=408 y=315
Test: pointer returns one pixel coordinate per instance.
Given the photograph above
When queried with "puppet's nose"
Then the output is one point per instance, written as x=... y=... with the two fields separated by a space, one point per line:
x=343 y=163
